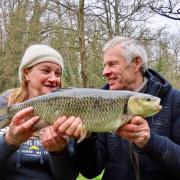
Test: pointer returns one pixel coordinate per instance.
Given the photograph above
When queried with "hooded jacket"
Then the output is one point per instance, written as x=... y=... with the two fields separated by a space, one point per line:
x=120 y=159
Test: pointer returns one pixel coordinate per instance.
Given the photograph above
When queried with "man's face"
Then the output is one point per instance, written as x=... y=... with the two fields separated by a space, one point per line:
x=118 y=73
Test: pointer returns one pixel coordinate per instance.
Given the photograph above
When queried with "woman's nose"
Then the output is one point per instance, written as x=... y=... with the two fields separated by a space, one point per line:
x=53 y=77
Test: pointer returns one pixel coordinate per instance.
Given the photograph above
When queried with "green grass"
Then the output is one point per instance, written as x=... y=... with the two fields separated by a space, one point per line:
x=80 y=177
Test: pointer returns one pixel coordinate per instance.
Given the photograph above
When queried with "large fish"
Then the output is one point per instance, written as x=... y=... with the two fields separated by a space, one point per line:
x=100 y=110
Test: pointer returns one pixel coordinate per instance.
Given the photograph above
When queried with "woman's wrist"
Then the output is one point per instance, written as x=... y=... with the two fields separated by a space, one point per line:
x=11 y=140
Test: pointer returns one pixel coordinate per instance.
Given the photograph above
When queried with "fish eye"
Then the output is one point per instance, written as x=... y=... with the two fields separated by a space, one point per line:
x=148 y=99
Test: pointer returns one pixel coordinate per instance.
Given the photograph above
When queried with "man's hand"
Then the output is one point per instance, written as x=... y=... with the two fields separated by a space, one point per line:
x=137 y=131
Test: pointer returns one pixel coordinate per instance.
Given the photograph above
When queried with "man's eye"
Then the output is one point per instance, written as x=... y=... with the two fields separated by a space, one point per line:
x=111 y=64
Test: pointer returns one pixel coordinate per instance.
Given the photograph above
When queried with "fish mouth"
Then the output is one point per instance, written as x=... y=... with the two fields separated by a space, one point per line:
x=158 y=107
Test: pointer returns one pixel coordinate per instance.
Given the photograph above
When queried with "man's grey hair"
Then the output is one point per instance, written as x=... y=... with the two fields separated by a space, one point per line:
x=132 y=49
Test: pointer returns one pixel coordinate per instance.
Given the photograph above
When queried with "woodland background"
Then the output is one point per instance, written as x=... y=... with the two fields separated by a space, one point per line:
x=79 y=28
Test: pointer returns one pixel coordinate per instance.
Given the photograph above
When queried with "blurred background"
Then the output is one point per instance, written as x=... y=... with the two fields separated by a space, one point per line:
x=79 y=28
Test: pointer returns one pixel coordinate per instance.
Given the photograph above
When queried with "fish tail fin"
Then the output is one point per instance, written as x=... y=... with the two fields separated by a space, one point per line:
x=4 y=118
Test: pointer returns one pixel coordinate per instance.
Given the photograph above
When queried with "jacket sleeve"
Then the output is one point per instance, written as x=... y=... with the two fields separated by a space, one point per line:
x=165 y=150
x=63 y=164
x=91 y=155
x=5 y=151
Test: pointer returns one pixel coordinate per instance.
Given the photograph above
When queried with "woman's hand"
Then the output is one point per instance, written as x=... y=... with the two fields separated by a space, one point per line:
x=20 y=129
x=52 y=141
x=68 y=126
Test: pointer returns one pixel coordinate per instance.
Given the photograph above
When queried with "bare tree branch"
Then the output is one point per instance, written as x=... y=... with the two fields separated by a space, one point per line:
x=171 y=11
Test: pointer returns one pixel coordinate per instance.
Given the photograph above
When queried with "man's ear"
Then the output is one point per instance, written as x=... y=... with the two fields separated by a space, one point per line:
x=137 y=61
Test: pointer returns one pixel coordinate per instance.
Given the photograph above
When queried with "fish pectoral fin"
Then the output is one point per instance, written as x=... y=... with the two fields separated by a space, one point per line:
x=125 y=118
x=83 y=134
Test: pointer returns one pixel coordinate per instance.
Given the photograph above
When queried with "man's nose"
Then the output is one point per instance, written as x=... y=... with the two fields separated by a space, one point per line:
x=106 y=71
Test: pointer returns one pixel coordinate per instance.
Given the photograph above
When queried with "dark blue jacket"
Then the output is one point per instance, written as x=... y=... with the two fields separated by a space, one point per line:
x=122 y=160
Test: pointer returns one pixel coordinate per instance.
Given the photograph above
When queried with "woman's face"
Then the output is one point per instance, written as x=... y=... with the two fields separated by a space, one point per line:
x=43 y=78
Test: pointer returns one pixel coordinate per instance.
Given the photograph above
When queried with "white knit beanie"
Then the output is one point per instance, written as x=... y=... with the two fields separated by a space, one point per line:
x=38 y=53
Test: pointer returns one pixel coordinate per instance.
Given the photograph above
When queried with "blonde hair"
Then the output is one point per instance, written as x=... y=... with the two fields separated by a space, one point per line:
x=18 y=95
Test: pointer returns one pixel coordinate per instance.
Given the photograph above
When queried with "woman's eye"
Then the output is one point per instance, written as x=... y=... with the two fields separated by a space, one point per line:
x=45 y=70
x=58 y=74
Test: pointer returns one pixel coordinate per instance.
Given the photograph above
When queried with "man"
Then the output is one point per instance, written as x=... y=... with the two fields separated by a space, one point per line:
x=146 y=149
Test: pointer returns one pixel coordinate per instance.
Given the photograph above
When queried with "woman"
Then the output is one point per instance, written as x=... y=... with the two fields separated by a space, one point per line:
x=24 y=154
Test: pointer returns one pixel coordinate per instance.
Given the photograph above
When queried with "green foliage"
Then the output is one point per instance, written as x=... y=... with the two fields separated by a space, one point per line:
x=80 y=177
x=18 y=37
x=161 y=66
